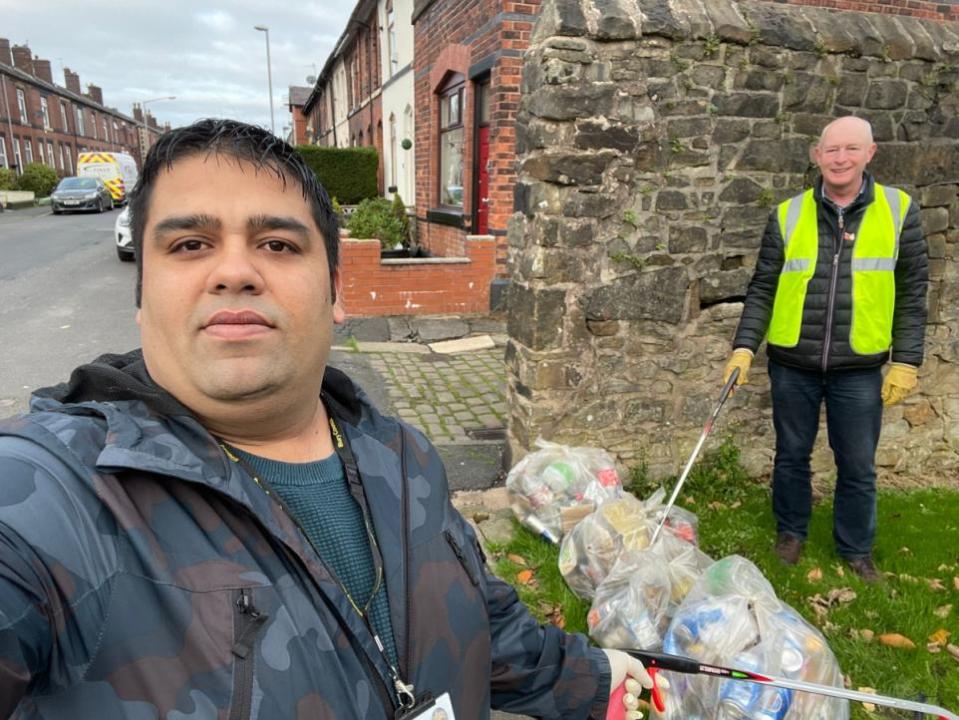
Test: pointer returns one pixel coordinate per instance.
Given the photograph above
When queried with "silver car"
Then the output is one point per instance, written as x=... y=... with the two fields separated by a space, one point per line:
x=81 y=193
x=124 y=237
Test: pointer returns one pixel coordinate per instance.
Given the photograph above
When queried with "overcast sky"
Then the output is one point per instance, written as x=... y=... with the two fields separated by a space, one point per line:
x=207 y=54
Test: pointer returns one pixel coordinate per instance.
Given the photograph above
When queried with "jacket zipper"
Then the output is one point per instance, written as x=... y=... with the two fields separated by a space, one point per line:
x=833 y=282
x=247 y=624
x=461 y=556
x=408 y=650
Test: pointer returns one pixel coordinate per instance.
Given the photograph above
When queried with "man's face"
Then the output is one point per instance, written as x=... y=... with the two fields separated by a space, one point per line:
x=842 y=155
x=236 y=287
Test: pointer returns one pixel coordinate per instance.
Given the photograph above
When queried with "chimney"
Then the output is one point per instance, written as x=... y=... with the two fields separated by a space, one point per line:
x=72 y=80
x=41 y=69
x=137 y=113
x=5 y=57
x=95 y=93
x=23 y=58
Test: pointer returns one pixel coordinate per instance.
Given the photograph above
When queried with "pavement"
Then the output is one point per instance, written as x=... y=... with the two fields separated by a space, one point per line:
x=446 y=377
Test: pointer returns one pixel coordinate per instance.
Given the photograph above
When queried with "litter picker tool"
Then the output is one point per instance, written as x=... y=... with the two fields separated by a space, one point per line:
x=654 y=662
x=708 y=428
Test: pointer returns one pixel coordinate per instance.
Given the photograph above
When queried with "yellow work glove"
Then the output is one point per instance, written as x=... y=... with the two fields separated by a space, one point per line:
x=742 y=359
x=901 y=380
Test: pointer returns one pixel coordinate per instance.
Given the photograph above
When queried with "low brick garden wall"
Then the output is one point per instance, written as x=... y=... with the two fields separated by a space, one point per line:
x=373 y=286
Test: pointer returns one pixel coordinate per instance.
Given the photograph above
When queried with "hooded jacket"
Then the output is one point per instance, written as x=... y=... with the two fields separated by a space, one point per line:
x=827 y=312
x=145 y=575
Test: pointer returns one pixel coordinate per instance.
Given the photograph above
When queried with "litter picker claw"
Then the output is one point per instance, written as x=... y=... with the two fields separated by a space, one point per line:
x=708 y=428
x=654 y=662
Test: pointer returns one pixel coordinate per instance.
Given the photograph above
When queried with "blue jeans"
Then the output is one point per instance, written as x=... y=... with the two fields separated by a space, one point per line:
x=853 y=420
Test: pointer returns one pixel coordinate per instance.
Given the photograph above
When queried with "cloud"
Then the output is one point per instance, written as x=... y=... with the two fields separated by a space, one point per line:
x=207 y=54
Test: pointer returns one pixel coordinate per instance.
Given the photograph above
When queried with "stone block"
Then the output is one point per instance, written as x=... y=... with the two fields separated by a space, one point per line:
x=560 y=17
x=939 y=195
x=748 y=105
x=758 y=79
x=617 y=20
x=728 y=23
x=934 y=219
x=659 y=19
x=899 y=44
x=741 y=191
x=807 y=93
x=709 y=76
x=671 y=200
x=687 y=127
x=780 y=26
x=790 y=155
x=651 y=295
x=742 y=239
x=937 y=245
x=568 y=168
x=811 y=124
x=571 y=102
x=745 y=216
x=536 y=316
x=886 y=94
x=687 y=239
x=730 y=130
x=919 y=413
x=724 y=285
x=591 y=205
x=601 y=135
x=851 y=90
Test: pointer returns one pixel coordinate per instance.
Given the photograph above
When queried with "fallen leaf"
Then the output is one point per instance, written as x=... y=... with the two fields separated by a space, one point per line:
x=690 y=500
x=908 y=578
x=945 y=568
x=955 y=582
x=897 y=641
x=905 y=551
x=940 y=636
x=867 y=634
x=557 y=617
x=814 y=575
x=524 y=577
x=871 y=614
x=934 y=648
x=716 y=505
x=840 y=595
x=736 y=504
x=942 y=611
x=840 y=571
x=829 y=628
x=935 y=584
x=953 y=650
x=868 y=706
x=517 y=559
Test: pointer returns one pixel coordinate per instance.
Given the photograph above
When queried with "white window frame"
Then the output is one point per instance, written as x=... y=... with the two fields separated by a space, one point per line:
x=3 y=152
x=393 y=50
x=22 y=105
x=41 y=152
x=64 y=116
x=81 y=130
x=28 y=150
x=69 y=165
x=93 y=124
x=106 y=130
x=51 y=160
x=17 y=156
x=45 y=111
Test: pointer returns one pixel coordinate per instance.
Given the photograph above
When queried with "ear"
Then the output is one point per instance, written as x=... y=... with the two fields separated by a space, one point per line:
x=339 y=311
x=870 y=152
x=137 y=316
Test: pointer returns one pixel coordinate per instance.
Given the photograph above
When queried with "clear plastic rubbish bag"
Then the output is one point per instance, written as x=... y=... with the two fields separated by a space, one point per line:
x=558 y=485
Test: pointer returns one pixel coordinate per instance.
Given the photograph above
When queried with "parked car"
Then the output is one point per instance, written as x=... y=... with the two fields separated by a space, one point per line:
x=117 y=170
x=81 y=193
x=124 y=237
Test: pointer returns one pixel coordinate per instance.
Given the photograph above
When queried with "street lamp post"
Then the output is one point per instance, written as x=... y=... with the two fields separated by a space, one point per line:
x=144 y=128
x=269 y=73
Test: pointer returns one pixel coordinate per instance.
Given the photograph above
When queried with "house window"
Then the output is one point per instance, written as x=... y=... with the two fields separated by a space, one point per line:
x=45 y=111
x=451 y=142
x=41 y=153
x=3 y=151
x=22 y=104
x=64 y=116
x=93 y=124
x=62 y=166
x=51 y=160
x=69 y=159
x=28 y=150
x=16 y=155
x=81 y=130
x=391 y=39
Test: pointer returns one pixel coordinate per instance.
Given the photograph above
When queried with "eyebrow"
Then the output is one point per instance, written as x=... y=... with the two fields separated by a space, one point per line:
x=197 y=221
x=261 y=223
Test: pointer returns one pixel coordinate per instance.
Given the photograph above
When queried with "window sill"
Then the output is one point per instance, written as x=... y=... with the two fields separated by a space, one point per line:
x=446 y=215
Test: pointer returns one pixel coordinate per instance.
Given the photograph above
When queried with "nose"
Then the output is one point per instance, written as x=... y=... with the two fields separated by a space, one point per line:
x=235 y=270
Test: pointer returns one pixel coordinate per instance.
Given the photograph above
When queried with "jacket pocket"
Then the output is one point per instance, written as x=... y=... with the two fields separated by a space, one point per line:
x=472 y=572
x=248 y=622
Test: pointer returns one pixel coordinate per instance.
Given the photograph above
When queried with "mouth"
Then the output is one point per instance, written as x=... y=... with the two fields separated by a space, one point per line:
x=237 y=325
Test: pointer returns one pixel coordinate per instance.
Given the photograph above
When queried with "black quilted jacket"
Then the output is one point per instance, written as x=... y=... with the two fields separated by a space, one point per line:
x=816 y=350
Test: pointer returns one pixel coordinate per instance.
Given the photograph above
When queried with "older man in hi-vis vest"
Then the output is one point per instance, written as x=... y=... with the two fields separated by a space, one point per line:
x=839 y=289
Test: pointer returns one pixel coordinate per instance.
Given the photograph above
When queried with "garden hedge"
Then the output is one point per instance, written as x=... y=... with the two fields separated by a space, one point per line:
x=348 y=174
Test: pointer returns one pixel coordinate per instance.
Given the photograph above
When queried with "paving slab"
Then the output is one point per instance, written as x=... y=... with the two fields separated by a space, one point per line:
x=462 y=345
x=431 y=329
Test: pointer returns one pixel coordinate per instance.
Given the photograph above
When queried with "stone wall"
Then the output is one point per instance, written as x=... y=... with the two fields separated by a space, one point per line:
x=654 y=142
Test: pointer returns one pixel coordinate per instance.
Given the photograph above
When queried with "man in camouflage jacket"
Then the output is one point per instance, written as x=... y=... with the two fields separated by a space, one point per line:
x=144 y=574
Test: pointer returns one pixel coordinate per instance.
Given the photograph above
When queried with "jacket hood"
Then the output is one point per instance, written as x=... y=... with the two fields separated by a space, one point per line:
x=119 y=378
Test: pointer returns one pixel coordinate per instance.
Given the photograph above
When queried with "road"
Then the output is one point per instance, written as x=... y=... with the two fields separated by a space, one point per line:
x=64 y=299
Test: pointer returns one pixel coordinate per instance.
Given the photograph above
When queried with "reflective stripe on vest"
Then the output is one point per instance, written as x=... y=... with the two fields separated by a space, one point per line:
x=874 y=254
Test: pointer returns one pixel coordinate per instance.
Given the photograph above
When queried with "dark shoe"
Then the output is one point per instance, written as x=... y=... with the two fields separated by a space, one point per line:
x=865 y=568
x=788 y=548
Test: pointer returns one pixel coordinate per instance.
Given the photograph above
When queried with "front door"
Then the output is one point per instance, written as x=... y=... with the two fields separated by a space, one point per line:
x=482 y=185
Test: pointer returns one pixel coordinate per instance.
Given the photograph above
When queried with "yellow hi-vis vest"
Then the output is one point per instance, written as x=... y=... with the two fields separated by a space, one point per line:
x=874 y=254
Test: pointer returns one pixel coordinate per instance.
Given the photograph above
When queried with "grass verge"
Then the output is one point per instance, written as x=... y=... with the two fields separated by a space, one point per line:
x=917 y=546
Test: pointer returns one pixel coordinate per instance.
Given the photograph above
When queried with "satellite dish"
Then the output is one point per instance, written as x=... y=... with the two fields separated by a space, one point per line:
x=311 y=79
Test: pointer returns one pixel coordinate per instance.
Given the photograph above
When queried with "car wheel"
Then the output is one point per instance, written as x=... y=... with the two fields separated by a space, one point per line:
x=56 y=211
x=124 y=255
x=99 y=205
x=113 y=203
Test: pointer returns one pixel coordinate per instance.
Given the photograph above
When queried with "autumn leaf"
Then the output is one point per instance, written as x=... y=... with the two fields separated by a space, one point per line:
x=524 y=577
x=814 y=575
x=934 y=648
x=940 y=636
x=517 y=559
x=953 y=650
x=955 y=582
x=867 y=634
x=905 y=551
x=935 y=584
x=942 y=611
x=868 y=706
x=897 y=641
x=735 y=505
x=839 y=570
x=716 y=505
x=840 y=595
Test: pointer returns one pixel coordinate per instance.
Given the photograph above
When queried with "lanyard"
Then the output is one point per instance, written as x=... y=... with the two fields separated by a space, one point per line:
x=343 y=450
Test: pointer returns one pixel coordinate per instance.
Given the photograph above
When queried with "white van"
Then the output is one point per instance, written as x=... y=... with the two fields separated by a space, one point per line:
x=118 y=171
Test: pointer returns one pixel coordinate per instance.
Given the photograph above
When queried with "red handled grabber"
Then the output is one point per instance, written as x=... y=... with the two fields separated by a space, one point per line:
x=708 y=428
x=654 y=662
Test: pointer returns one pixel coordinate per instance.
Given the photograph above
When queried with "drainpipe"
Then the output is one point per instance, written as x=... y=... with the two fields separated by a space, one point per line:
x=6 y=107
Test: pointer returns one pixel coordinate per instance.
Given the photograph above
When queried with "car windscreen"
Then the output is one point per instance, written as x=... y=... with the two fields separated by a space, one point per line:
x=77 y=183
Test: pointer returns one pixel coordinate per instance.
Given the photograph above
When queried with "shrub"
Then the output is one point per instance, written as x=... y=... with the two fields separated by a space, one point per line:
x=399 y=210
x=41 y=179
x=374 y=218
x=8 y=179
x=347 y=173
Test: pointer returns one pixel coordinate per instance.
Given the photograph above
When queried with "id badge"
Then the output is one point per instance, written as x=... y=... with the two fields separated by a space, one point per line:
x=430 y=708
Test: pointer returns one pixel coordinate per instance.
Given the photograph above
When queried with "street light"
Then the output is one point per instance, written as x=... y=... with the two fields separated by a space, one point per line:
x=269 y=73
x=144 y=129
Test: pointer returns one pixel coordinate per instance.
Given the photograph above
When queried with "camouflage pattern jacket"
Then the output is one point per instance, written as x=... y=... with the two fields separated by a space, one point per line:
x=145 y=575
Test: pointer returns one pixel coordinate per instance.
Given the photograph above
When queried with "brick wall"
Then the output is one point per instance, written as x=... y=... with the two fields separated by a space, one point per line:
x=929 y=9
x=455 y=36
x=376 y=287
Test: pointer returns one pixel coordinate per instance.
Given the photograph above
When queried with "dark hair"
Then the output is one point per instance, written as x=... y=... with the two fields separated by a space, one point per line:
x=244 y=142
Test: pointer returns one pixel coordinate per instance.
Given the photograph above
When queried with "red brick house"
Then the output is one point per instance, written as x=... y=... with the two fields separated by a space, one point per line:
x=46 y=123
x=299 y=134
